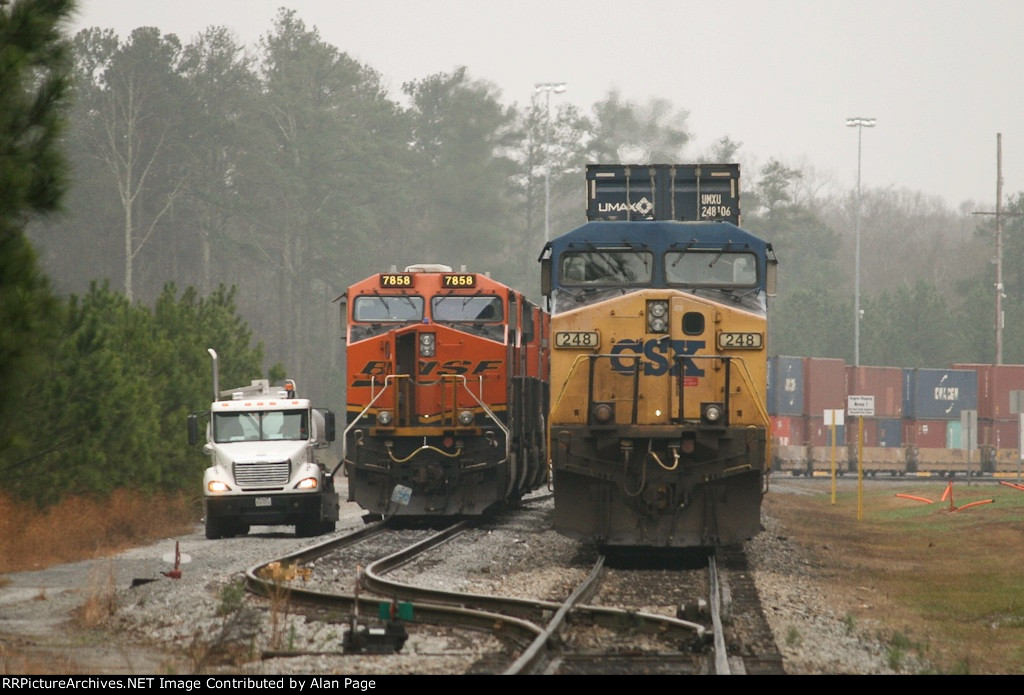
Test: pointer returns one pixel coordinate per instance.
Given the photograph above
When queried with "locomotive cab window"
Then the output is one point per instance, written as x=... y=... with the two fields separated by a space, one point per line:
x=456 y=308
x=605 y=267
x=381 y=308
x=710 y=268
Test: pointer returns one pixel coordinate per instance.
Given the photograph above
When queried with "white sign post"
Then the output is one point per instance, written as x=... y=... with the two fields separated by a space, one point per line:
x=833 y=418
x=860 y=406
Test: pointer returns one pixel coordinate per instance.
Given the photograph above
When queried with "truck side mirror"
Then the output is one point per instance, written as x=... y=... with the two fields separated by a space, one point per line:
x=329 y=426
x=193 y=430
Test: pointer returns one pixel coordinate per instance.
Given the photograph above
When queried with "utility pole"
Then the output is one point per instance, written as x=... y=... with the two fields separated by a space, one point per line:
x=557 y=88
x=860 y=123
x=999 y=247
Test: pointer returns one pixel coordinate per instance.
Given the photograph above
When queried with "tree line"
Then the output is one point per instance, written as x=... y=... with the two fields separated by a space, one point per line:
x=262 y=180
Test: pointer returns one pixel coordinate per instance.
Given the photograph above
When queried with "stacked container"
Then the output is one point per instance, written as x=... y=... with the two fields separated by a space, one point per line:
x=998 y=425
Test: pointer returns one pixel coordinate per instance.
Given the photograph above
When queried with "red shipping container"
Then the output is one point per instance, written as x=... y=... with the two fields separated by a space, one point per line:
x=824 y=385
x=788 y=430
x=870 y=431
x=884 y=383
x=925 y=434
x=1001 y=434
x=820 y=434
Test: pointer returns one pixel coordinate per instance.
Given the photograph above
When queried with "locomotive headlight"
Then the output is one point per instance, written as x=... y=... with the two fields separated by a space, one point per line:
x=426 y=344
x=602 y=413
x=384 y=418
x=466 y=418
x=657 y=316
x=711 y=412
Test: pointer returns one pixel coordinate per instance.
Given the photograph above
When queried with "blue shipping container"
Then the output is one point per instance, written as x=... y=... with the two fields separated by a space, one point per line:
x=939 y=394
x=785 y=385
x=890 y=432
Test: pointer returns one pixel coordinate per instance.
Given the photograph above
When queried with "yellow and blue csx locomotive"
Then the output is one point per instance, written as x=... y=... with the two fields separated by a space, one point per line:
x=658 y=422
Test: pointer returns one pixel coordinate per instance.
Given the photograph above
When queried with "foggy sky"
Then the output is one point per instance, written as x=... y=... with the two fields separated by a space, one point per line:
x=942 y=77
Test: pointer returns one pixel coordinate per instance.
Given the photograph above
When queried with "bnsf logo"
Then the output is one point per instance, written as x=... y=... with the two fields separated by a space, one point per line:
x=659 y=356
x=379 y=369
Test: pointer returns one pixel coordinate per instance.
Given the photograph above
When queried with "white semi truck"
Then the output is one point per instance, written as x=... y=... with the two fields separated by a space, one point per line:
x=263 y=470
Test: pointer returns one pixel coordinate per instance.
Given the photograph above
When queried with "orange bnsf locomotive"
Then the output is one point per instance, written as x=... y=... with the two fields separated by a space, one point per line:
x=658 y=421
x=446 y=393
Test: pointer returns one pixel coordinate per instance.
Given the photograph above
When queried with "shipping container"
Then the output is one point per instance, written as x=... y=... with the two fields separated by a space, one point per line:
x=788 y=430
x=820 y=434
x=884 y=383
x=999 y=434
x=824 y=385
x=869 y=427
x=890 y=432
x=925 y=434
x=996 y=383
x=786 y=385
x=939 y=394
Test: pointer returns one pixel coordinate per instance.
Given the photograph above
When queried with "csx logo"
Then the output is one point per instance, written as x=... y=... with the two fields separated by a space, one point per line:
x=378 y=369
x=660 y=356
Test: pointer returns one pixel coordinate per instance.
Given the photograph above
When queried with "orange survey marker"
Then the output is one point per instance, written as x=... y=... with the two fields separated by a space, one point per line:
x=914 y=497
x=949 y=494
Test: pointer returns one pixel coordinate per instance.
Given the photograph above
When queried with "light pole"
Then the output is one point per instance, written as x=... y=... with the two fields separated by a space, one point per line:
x=557 y=88
x=860 y=123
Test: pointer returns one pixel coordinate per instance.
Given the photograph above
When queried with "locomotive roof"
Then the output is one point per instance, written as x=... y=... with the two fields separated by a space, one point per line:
x=658 y=235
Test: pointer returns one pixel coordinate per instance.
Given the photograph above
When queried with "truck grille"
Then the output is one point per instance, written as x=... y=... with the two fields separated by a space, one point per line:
x=262 y=473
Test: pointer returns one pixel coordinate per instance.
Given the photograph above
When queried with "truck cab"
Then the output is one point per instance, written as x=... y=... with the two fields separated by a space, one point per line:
x=263 y=469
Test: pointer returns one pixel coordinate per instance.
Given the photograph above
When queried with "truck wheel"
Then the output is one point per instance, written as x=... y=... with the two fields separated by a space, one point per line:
x=307 y=526
x=214 y=527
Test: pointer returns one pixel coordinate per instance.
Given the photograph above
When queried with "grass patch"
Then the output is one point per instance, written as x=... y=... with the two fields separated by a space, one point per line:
x=82 y=528
x=942 y=584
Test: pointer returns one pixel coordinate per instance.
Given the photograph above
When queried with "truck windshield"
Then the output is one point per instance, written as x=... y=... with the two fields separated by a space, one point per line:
x=259 y=426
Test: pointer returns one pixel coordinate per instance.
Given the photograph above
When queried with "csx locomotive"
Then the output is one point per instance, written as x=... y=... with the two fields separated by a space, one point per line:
x=446 y=393
x=658 y=421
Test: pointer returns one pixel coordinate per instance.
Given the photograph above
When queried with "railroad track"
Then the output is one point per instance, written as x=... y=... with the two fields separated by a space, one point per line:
x=567 y=613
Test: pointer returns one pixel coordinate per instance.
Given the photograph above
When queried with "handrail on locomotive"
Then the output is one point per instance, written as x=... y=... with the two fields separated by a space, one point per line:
x=396 y=378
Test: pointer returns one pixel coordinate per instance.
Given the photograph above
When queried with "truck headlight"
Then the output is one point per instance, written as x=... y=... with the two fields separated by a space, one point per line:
x=217 y=486
x=307 y=484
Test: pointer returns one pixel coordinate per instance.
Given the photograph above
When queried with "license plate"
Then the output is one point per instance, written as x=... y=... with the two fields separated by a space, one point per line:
x=262 y=501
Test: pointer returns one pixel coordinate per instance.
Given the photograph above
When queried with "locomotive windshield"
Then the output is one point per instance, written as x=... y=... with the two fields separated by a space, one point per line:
x=466 y=308
x=611 y=267
x=378 y=308
x=717 y=274
x=711 y=268
x=481 y=315
x=260 y=426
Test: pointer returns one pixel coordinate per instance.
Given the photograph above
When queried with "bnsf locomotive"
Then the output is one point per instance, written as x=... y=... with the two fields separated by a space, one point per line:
x=658 y=422
x=446 y=393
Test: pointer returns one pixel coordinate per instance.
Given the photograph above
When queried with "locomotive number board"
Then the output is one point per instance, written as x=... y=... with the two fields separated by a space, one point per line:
x=740 y=341
x=459 y=280
x=577 y=339
x=395 y=280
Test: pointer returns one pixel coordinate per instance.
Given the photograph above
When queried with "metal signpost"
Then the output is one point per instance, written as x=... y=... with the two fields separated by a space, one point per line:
x=860 y=406
x=1017 y=406
x=969 y=430
x=834 y=418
